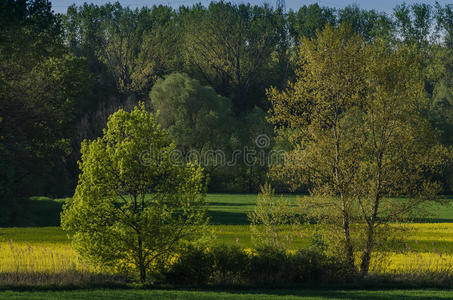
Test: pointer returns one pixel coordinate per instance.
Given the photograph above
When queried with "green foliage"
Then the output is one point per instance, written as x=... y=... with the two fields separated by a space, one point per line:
x=358 y=141
x=6 y=181
x=309 y=19
x=270 y=266
x=415 y=23
x=268 y=220
x=111 y=221
x=238 y=50
x=193 y=266
x=38 y=108
x=40 y=85
x=133 y=51
x=368 y=23
x=195 y=116
x=444 y=21
x=252 y=171
x=29 y=30
x=222 y=264
x=199 y=121
x=231 y=47
x=231 y=265
x=130 y=48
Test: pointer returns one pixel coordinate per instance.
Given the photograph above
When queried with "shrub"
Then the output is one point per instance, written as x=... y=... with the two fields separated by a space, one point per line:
x=192 y=267
x=268 y=266
x=231 y=265
x=273 y=221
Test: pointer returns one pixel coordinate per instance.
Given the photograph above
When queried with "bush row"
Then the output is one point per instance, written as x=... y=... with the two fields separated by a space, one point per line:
x=231 y=265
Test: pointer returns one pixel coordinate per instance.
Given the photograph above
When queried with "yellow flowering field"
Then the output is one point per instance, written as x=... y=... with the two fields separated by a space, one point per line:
x=414 y=262
x=47 y=250
x=26 y=258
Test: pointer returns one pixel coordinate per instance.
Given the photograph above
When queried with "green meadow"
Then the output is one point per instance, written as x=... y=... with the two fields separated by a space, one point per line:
x=247 y=294
x=224 y=209
x=37 y=250
x=228 y=214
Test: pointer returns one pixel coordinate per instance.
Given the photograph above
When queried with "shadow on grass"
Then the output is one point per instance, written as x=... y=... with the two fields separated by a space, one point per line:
x=229 y=204
x=39 y=212
x=228 y=218
x=430 y=220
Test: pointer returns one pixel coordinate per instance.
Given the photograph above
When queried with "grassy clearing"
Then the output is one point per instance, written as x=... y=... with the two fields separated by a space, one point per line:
x=429 y=237
x=34 y=235
x=248 y=294
x=224 y=209
x=42 y=256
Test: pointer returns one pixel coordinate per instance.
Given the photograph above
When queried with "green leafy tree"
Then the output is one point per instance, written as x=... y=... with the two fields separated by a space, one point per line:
x=230 y=46
x=133 y=52
x=127 y=49
x=398 y=149
x=29 y=30
x=356 y=120
x=255 y=137
x=368 y=23
x=308 y=20
x=134 y=204
x=199 y=121
x=41 y=85
x=414 y=23
x=444 y=21
x=83 y=33
x=310 y=112
x=196 y=117
x=272 y=221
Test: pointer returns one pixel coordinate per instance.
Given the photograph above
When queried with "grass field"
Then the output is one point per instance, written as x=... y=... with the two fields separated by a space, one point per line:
x=251 y=294
x=45 y=249
x=224 y=209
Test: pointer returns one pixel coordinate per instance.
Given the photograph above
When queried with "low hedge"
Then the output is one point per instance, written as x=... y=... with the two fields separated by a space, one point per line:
x=231 y=265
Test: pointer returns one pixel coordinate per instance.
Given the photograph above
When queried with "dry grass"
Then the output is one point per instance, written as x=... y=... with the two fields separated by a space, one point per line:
x=54 y=258
x=24 y=264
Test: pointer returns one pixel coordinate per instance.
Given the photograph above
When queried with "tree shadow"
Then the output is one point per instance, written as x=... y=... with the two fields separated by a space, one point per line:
x=39 y=212
x=228 y=218
x=430 y=220
x=229 y=204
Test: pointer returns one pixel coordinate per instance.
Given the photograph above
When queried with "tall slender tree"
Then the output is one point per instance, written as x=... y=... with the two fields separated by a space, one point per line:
x=356 y=119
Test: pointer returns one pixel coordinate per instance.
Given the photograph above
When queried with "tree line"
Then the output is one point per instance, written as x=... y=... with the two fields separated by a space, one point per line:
x=203 y=70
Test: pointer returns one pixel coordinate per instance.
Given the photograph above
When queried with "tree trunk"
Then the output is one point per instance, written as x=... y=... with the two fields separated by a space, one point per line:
x=141 y=262
x=366 y=256
x=142 y=274
x=347 y=238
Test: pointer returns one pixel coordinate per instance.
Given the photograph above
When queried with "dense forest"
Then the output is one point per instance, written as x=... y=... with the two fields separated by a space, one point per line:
x=204 y=70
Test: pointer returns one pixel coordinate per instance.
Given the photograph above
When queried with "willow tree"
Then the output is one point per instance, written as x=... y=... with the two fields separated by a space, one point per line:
x=133 y=204
x=354 y=119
